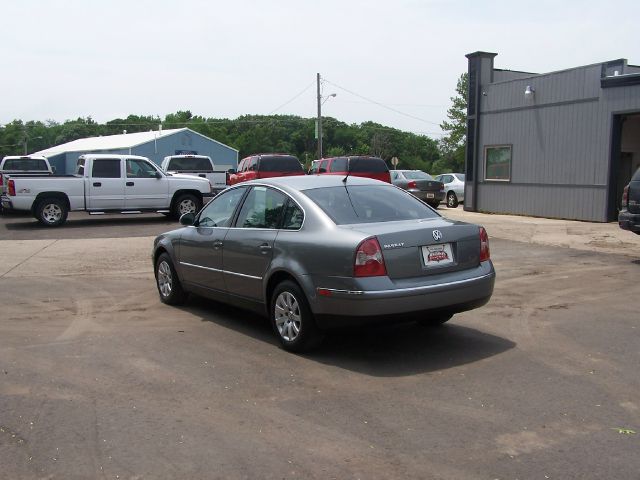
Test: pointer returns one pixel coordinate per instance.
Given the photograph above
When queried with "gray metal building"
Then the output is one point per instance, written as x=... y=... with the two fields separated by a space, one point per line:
x=557 y=145
x=154 y=145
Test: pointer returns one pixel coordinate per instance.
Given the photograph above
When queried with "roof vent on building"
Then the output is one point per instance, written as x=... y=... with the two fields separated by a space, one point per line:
x=124 y=132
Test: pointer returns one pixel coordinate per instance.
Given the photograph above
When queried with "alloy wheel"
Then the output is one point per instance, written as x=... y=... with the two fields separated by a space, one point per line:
x=288 y=317
x=164 y=279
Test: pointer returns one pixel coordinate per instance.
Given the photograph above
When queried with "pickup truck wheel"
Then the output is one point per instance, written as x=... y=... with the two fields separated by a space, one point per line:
x=52 y=212
x=169 y=286
x=186 y=203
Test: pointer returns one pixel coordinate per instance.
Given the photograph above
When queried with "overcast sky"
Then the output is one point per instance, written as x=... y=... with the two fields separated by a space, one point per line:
x=66 y=59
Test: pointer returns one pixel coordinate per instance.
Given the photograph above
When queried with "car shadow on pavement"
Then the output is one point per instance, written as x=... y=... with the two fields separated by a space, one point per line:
x=381 y=351
x=408 y=348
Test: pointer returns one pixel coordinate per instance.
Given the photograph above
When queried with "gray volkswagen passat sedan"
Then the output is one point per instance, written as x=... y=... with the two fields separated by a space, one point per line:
x=319 y=252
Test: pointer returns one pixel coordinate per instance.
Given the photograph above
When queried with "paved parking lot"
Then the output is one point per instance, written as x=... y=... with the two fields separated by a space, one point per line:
x=99 y=379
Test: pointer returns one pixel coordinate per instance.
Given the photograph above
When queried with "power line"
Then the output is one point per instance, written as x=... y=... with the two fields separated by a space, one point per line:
x=295 y=97
x=381 y=104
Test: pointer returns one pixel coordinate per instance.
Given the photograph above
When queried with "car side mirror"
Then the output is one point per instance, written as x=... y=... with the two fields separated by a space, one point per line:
x=187 y=219
x=158 y=175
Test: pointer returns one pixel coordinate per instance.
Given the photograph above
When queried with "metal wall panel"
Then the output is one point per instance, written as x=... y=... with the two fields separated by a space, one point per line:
x=560 y=139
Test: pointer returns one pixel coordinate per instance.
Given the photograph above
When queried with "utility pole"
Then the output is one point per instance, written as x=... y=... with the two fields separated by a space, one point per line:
x=319 y=121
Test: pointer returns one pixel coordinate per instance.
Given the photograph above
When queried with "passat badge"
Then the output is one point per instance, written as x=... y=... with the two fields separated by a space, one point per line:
x=437 y=235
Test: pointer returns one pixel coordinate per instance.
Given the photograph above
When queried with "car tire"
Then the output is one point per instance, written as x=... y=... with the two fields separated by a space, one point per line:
x=452 y=200
x=435 y=320
x=52 y=211
x=168 y=283
x=186 y=203
x=292 y=320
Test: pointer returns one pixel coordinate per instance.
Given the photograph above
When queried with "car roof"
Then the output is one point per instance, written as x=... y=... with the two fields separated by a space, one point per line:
x=307 y=182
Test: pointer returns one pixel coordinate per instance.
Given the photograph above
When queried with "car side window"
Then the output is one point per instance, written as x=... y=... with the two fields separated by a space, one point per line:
x=338 y=165
x=253 y=164
x=262 y=208
x=139 y=169
x=293 y=217
x=106 y=168
x=322 y=168
x=219 y=212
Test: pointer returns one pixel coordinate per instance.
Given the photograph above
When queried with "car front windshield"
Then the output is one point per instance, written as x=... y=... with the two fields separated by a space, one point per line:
x=368 y=204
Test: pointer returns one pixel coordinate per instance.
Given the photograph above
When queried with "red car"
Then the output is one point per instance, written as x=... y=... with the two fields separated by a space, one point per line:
x=266 y=165
x=357 y=166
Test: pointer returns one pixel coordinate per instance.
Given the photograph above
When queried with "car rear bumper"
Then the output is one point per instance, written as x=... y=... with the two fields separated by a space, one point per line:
x=629 y=221
x=424 y=195
x=348 y=308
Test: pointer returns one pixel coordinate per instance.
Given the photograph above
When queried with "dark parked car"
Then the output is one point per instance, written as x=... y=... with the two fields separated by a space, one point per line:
x=266 y=165
x=319 y=252
x=357 y=166
x=629 y=216
x=420 y=184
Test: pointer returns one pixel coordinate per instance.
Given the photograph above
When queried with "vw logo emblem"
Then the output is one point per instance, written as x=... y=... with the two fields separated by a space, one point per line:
x=437 y=235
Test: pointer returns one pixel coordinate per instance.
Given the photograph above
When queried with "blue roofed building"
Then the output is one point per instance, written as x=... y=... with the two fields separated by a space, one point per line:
x=155 y=145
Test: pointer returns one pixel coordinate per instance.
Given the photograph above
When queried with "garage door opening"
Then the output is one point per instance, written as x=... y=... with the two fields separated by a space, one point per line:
x=625 y=158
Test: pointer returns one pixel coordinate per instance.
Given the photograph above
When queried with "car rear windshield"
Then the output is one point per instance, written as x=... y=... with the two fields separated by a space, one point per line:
x=373 y=164
x=417 y=175
x=368 y=204
x=25 y=164
x=460 y=176
x=280 y=163
x=201 y=164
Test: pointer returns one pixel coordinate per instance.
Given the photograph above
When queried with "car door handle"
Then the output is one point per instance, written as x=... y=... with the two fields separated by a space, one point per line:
x=97 y=184
x=265 y=248
x=130 y=184
x=217 y=244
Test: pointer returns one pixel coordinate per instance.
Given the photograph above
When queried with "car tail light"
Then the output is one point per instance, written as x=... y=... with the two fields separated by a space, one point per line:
x=625 y=196
x=484 y=245
x=411 y=184
x=369 y=261
x=442 y=187
x=11 y=185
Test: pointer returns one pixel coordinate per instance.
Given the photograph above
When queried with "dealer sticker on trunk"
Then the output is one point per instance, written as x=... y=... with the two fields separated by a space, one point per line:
x=436 y=255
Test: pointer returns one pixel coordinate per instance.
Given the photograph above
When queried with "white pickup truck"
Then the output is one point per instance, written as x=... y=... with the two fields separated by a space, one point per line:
x=106 y=183
x=196 y=165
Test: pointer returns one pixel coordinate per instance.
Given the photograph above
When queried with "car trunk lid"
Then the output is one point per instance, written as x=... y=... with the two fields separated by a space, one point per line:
x=428 y=247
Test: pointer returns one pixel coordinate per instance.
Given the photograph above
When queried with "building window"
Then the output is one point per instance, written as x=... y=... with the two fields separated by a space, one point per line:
x=497 y=163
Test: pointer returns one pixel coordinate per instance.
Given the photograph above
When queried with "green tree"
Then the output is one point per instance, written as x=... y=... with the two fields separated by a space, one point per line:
x=454 y=142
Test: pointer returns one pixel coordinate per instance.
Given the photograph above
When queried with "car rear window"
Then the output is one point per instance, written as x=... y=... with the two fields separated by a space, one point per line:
x=359 y=164
x=460 y=176
x=280 y=163
x=417 y=175
x=195 y=164
x=25 y=164
x=368 y=204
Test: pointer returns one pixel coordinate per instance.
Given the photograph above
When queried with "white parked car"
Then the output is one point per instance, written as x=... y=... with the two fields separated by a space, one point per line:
x=453 y=187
